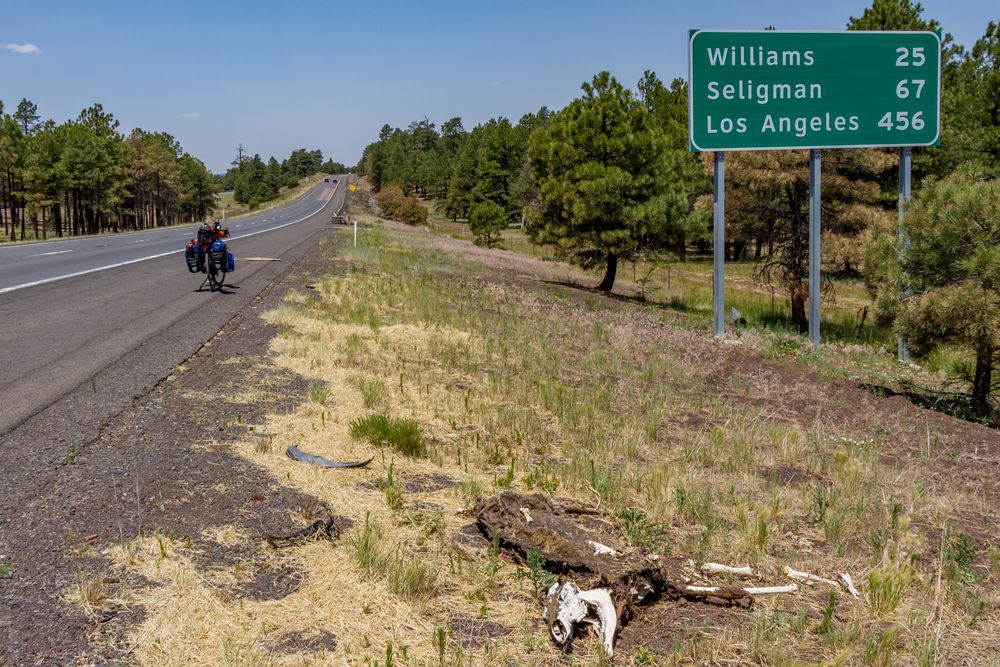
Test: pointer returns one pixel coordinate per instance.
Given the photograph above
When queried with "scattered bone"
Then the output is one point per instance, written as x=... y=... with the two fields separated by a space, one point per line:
x=849 y=584
x=294 y=452
x=717 y=568
x=602 y=550
x=566 y=605
x=526 y=514
x=750 y=590
x=805 y=576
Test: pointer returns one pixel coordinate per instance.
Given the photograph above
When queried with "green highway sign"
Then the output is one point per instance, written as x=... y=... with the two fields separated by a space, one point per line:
x=771 y=89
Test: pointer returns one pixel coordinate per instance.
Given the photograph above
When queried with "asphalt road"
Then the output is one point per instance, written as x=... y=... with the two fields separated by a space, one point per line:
x=89 y=323
x=31 y=264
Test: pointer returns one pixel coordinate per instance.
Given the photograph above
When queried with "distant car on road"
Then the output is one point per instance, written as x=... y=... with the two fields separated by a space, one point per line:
x=326 y=180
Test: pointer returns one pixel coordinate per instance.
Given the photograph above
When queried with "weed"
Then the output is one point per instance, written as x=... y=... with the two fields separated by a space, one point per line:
x=5 y=570
x=642 y=657
x=440 y=643
x=374 y=392
x=696 y=509
x=493 y=559
x=406 y=577
x=887 y=584
x=392 y=490
x=879 y=648
x=959 y=555
x=401 y=435
x=71 y=452
x=539 y=576
x=91 y=592
x=640 y=530
x=367 y=546
x=409 y=578
x=319 y=392
x=263 y=444
x=826 y=625
x=541 y=478
x=429 y=522
x=508 y=478
x=351 y=345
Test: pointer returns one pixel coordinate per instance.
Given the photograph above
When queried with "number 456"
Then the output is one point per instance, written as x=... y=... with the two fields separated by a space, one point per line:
x=902 y=121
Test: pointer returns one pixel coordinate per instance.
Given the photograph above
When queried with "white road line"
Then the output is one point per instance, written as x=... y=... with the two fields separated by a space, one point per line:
x=53 y=279
x=54 y=252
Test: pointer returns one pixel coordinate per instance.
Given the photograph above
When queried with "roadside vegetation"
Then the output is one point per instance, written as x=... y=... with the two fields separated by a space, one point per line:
x=254 y=182
x=226 y=206
x=84 y=177
x=511 y=378
x=609 y=179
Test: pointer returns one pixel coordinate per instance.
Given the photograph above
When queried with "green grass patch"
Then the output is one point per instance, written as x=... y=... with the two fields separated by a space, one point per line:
x=400 y=435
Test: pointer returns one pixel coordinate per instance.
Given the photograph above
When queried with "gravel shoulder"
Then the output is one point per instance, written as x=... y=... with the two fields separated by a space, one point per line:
x=100 y=467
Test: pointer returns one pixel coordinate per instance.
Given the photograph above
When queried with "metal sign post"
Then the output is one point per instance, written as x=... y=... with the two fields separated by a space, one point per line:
x=786 y=90
x=719 y=245
x=905 y=166
x=815 y=169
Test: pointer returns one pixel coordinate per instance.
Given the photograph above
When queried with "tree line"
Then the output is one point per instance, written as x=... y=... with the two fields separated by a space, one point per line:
x=254 y=181
x=610 y=178
x=83 y=176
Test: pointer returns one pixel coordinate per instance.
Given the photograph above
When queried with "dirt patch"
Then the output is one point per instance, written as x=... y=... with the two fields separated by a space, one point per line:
x=474 y=633
x=414 y=484
x=301 y=642
x=270 y=583
x=428 y=483
x=471 y=541
x=661 y=627
x=784 y=475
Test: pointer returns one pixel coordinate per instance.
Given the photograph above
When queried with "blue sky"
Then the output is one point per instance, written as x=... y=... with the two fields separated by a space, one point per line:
x=278 y=76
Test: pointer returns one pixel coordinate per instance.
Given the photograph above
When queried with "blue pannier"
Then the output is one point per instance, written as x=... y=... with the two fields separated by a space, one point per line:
x=191 y=258
x=217 y=256
x=230 y=262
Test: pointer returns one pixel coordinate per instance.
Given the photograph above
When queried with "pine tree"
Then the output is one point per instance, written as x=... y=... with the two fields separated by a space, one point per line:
x=952 y=266
x=608 y=185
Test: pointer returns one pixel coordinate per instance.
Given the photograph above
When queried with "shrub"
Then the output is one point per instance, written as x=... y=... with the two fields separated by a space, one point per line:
x=413 y=211
x=486 y=222
x=397 y=206
x=390 y=199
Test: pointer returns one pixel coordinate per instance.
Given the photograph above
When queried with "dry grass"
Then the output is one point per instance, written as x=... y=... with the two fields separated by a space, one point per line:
x=516 y=385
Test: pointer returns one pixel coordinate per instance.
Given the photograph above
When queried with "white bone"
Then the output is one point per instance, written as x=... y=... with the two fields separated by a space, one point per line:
x=752 y=590
x=805 y=576
x=716 y=568
x=570 y=606
x=846 y=579
x=602 y=550
x=600 y=602
x=526 y=514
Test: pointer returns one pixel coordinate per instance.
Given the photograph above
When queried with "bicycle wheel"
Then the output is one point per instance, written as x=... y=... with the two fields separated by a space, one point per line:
x=215 y=278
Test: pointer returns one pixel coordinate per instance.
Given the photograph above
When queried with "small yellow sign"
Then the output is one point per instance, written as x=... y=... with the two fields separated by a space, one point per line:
x=352 y=187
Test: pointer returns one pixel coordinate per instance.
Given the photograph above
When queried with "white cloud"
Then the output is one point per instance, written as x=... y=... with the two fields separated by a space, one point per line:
x=22 y=48
x=191 y=114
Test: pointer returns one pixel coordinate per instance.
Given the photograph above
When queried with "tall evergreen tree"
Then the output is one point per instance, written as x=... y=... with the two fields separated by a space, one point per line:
x=952 y=266
x=608 y=184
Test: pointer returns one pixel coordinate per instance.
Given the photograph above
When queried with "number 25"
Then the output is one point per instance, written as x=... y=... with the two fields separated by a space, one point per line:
x=904 y=54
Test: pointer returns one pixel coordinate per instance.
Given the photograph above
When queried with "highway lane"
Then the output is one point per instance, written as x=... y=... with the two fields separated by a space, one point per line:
x=104 y=336
x=30 y=264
